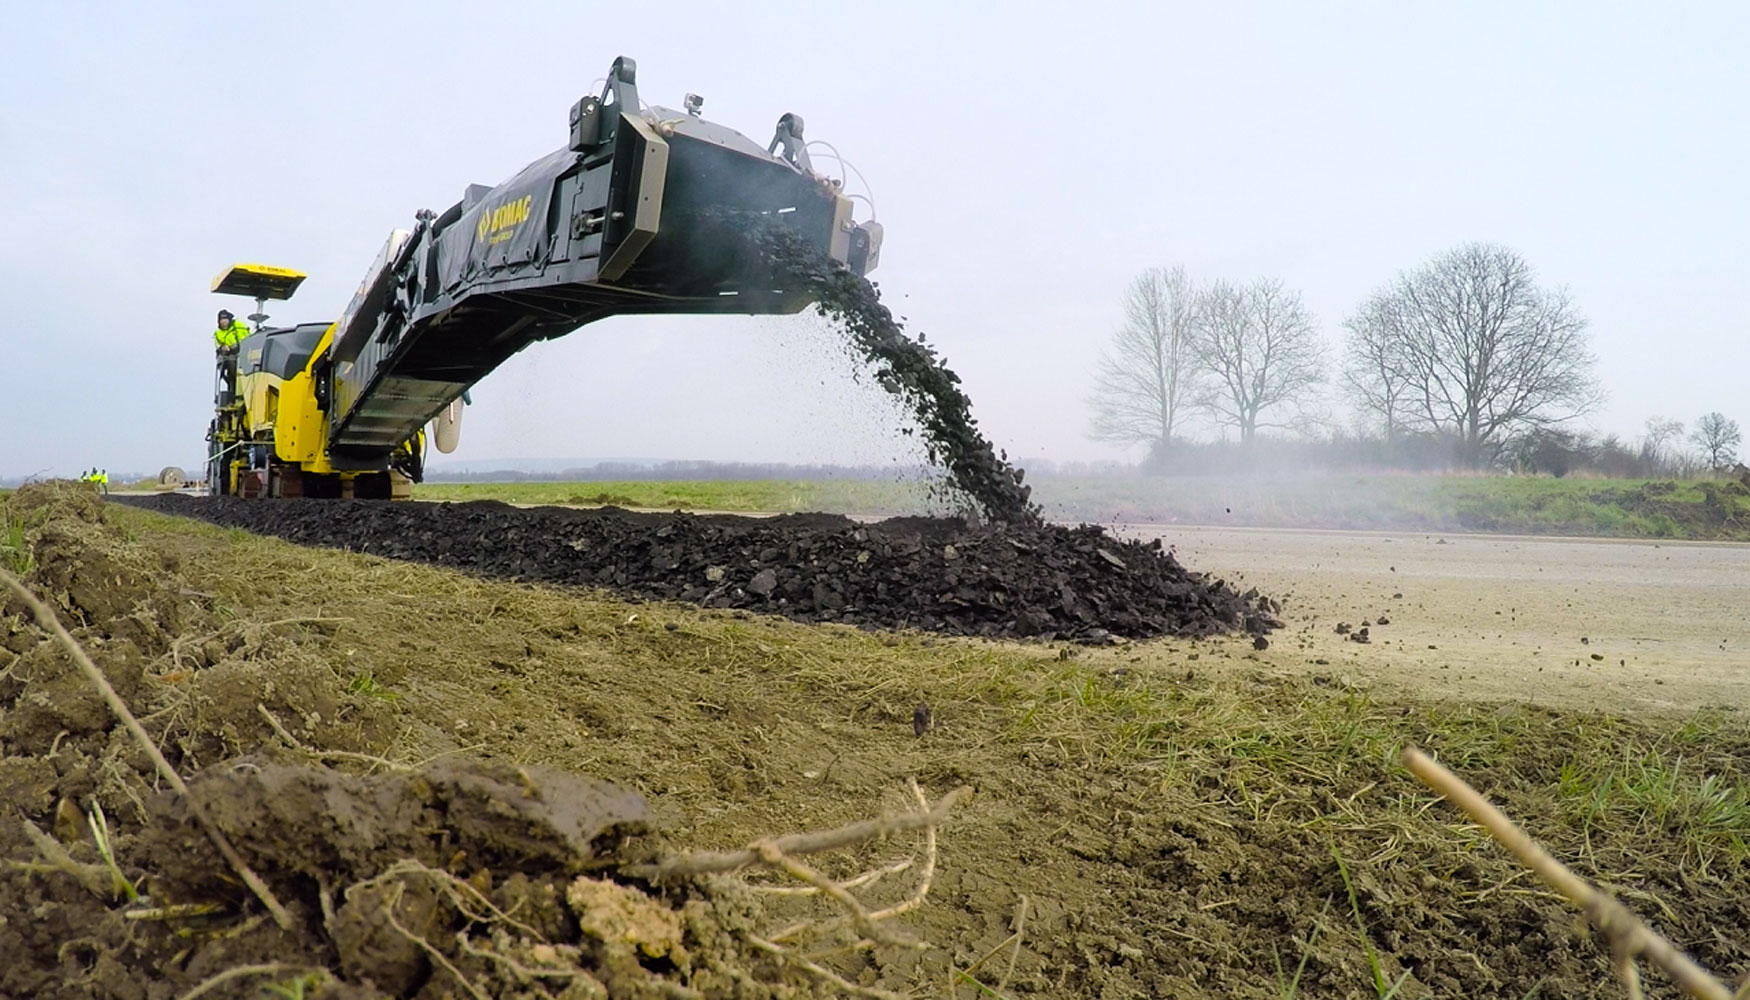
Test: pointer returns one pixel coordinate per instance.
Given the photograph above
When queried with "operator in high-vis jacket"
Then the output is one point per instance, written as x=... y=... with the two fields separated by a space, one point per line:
x=228 y=335
x=229 y=332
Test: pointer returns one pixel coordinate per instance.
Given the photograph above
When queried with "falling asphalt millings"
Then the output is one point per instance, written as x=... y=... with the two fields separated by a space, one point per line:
x=909 y=369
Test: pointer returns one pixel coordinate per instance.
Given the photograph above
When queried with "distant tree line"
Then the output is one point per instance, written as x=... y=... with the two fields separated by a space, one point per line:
x=1245 y=354
x=1660 y=453
x=679 y=471
x=687 y=471
x=1664 y=451
x=1463 y=362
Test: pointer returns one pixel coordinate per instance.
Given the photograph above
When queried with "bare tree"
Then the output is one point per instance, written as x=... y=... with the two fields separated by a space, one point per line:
x=1718 y=438
x=1376 y=371
x=1656 y=451
x=1487 y=352
x=1258 y=346
x=1146 y=378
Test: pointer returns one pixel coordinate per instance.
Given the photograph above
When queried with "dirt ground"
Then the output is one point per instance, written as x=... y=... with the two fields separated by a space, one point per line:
x=1166 y=818
x=1625 y=626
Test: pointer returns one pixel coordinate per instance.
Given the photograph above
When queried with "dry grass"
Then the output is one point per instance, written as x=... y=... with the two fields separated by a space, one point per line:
x=1630 y=939
x=1048 y=702
x=741 y=724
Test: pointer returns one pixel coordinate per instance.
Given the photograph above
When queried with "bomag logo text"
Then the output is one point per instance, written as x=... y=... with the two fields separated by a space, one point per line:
x=500 y=223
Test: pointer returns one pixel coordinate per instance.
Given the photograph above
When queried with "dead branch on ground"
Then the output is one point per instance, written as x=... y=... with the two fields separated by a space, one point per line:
x=781 y=854
x=325 y=756
x=1629 y=938
x=430 y=949
x=777 y=854
x=468 y=901
x=721 y=862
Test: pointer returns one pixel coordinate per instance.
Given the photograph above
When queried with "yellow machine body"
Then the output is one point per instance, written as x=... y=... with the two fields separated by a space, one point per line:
x=301 y=432
x=271 y=436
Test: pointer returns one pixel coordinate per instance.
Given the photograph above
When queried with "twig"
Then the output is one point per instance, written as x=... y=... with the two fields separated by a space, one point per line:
x=292 y=741
x=95 y=878
x=33 y=867
x=270 y=969
x=462 y=895
x=916 y=899
x=776 y=852
x=175 y=911
x=822 y=971
x=860 y=916
x=1020 y=934
x=243 y=928
x=428 y=947
x=1019 y=928
x=52 y=624
x=1629 y=938
x=522 y=972
x=867 y=922
x=718 y=862
x=869 y=877
x=280 y=730
x=1624 y=964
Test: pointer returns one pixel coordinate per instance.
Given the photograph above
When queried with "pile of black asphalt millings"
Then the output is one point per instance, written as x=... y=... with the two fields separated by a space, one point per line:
x=939 y=574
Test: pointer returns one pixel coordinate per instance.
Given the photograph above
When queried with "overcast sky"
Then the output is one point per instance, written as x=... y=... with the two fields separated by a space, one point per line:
x=1026 y=163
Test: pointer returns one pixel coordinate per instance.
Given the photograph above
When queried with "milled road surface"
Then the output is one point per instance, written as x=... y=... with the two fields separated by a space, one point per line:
x=1642 y=626
x=1491 y=617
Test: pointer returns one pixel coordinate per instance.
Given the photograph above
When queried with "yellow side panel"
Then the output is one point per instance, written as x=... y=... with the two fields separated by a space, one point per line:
x=258 y=392
x=301 y=428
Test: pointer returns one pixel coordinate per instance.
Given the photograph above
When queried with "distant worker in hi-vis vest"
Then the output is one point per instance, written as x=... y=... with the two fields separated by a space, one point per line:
x=228 y=335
